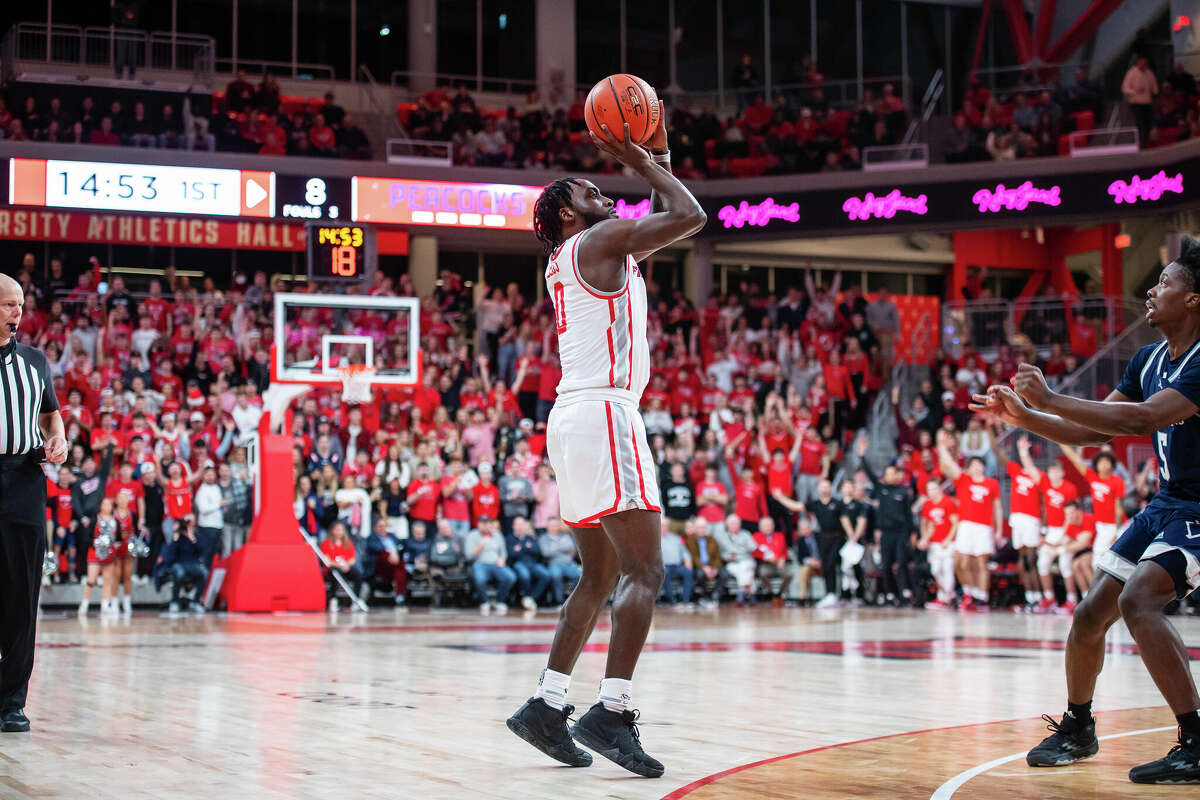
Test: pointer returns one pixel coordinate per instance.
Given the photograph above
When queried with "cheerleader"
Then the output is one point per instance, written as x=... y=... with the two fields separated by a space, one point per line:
x=123 y=558
x=101 y=560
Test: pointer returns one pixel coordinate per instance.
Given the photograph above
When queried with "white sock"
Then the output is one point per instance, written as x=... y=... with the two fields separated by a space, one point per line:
x=1046 y=593
x=552 y=688
x=616 y=694
x=1072 y=598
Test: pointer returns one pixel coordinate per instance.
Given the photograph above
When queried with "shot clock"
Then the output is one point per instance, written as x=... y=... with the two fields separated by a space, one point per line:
x=344 y=253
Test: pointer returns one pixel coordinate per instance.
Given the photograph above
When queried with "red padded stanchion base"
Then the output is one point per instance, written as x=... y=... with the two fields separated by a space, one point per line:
x=276 y=570
x=273 y=577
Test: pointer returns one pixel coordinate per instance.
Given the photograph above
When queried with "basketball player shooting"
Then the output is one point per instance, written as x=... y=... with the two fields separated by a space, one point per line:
x=597 y=443
x=1157 y=558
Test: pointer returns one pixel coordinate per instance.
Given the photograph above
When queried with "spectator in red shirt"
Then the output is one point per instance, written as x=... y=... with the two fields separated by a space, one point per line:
x=322 y=137
x=750 y=502
x=771 y=553
x=423 y=497
x=456 y=486
x=485 y=496
x=104 y=134
x=339 y=554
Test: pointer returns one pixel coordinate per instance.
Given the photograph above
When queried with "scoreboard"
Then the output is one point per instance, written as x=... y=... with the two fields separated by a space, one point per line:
x=341 y=252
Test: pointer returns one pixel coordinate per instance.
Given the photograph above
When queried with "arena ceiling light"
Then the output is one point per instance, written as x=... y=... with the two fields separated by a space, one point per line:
x=385 y=29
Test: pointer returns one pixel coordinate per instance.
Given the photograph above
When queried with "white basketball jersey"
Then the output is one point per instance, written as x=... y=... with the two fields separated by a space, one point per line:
x=601 y=335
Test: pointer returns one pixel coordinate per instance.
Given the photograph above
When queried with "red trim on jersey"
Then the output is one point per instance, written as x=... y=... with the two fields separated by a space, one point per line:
x=612 y=451
x=629 y=313
x=579 y=277
x=637 y=457
x=612 y=353
x=581 y=524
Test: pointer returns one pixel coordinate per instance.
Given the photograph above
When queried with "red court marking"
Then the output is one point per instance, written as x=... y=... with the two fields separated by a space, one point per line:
x=546 y=626
x=683 y=791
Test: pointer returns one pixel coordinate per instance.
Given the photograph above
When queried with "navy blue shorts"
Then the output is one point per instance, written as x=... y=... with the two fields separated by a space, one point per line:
x=63 y=538
x=1165 y=526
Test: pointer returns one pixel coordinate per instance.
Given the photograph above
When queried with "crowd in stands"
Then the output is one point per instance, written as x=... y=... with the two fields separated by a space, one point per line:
x=796 y=130
x=1036 y=117
x=242 y=119
x=756 y=412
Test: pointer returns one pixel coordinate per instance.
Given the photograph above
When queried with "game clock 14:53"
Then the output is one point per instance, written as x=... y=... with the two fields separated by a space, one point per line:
x=344 y=253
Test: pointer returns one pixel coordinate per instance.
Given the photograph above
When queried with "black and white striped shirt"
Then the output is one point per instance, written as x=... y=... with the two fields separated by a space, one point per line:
x=26 y=391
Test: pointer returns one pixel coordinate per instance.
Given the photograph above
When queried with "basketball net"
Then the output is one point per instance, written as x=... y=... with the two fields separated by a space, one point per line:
x=356 y=382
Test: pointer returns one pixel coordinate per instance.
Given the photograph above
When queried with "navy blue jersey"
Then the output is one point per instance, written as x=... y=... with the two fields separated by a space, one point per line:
x=1178 y=445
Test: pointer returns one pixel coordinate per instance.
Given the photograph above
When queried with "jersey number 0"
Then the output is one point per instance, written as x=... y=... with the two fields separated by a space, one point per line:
x=560 y=308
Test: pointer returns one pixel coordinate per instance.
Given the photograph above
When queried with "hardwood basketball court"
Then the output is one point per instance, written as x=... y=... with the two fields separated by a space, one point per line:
x=756 y=703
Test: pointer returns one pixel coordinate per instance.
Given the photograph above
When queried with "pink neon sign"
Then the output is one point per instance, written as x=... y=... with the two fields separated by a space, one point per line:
x=884 y=207
x=632 y=211
x=1150 y=189
x=757 y=215
x=1003 y=198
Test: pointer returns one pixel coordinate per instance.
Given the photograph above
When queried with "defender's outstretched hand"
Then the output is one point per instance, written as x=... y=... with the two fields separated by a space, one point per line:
x=1030 y=385
x=1001 y=402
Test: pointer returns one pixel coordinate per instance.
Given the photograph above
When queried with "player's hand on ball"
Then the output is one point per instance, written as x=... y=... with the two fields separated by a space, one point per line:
x=1030 y=384
x=657 y=142
x=628 y=153
x=56 y=450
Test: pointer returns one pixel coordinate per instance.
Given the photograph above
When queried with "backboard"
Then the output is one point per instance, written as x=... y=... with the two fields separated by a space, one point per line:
x=315 y=334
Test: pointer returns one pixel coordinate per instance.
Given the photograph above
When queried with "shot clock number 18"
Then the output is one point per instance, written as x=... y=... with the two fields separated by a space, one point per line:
x=341 y=252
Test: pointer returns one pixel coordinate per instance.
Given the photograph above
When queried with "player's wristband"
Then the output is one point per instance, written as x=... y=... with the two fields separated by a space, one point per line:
x=661 y=158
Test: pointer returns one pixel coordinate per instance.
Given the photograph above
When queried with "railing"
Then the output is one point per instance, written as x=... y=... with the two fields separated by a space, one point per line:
x=881 y=424
x=840 y=94
x=32 y=42
x=895 y=156
x=929 y=102
x=1104 y=142
x=983 y=325
x=300 y=70
x=1024 y=78
x=1098 y=376
x=417 y=83
x=420 y=152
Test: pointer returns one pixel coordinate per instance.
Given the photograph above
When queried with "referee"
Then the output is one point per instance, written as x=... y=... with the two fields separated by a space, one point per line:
x=30 y=429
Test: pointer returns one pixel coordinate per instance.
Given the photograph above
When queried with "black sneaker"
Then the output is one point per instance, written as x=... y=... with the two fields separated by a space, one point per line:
x=14 y=721
x=615 y=736
x=1069 y=742
x=545 y=727
x=1181 y=764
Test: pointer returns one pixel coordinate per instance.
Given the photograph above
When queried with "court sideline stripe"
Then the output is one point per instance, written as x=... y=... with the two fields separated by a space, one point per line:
x=947 y=789
x=683 y=791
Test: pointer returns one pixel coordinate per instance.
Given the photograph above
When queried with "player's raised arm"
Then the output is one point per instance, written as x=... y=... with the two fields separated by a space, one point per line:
x=1129 y=418
x=950 y=467
x=682 y=215
x=1004 y=404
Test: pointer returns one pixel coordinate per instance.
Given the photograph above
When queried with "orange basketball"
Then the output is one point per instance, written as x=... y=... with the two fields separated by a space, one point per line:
x=620 y=99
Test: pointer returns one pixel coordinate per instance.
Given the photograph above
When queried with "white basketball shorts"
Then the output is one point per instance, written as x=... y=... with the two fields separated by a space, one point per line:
x=1026 y=530
x=1106 y=534
x=1055 y=535
x=601 y=460
x=973 y=539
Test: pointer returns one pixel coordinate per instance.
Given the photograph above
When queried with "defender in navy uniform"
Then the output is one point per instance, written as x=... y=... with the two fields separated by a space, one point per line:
x=1157 y=558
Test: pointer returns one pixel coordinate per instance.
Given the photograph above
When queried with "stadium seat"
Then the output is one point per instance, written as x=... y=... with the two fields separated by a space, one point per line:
x=1084 y=120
